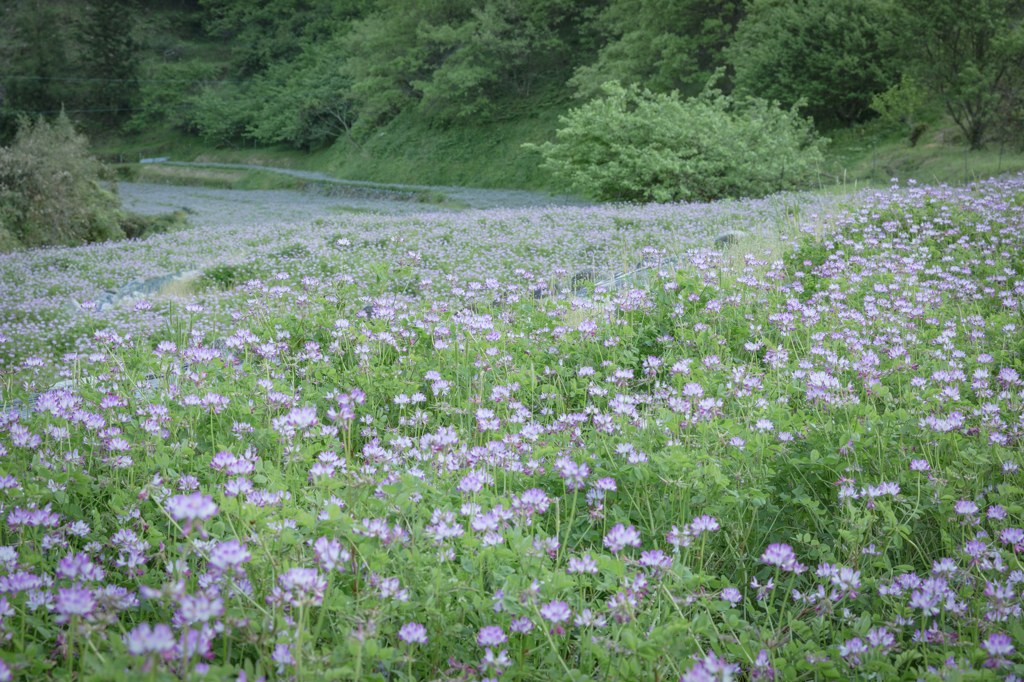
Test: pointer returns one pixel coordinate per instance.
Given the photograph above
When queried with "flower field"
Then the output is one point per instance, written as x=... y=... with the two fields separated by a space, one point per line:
x=376 y=448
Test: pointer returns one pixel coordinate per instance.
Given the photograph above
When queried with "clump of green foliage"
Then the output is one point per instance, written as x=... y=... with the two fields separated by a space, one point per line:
x=634 y=145
x=50 y=189
x=138 y=226
x=50 y=192
x=900 y=104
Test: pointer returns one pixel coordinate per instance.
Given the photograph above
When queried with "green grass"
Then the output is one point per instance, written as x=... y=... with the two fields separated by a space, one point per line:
x=406 y=151
x=410 y=151
x=873 y=153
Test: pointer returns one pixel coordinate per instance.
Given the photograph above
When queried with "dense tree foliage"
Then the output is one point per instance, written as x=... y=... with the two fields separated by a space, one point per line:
x=662 y=44
x=264 y=33
x=835 y=53
x=634 y=145
x=457 y=59
x=109 y=58
x=310 y=72
x=971 y=53
x=49 y=188
x=307 y=101
x=34 y=49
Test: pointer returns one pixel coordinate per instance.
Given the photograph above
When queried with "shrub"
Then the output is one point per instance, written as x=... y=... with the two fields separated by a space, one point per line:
x=49 y=188
x=137 y=226
x=633 y=145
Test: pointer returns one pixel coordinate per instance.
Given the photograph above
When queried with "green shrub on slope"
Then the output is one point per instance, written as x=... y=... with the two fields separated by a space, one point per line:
x=634 y=145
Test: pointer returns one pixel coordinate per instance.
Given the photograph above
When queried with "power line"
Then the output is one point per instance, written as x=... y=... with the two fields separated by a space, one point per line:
x=134 y=80
x=193 y=105
x=95 y=111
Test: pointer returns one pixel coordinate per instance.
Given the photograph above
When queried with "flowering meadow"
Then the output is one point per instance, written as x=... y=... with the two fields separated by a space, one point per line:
x=376 y=448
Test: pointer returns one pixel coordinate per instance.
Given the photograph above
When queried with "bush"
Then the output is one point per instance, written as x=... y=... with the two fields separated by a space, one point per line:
x=633 y=145
x=138 y=226
x=49 y=188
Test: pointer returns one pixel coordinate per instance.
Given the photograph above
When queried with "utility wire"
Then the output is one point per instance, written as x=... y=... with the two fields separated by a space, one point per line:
x=4 y=110
x=132 y=80
x=93 y=111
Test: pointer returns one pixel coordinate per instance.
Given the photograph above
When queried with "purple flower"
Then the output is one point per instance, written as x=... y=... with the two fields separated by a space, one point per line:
x=967 y=507
x=229 y=556
x=1013 y=537
x=927 y=602
x=498 y=661
x=703 y=523
x=852 y=649
x=144 y=640
x=283 y=657
x=732 y=595
x=998 y=646
x=920 y=465
x=521 y=625
x=200 y=608
x=780 y=555
x=330 y=554
x=555 y=611
x=710 y=669
x=193 y=507
x=74 y=601
x=301 y=587
x=881 y=637
x=413 y=633
x=586 y=619
x=584 y=564
x=491 y=635
x=620 y=537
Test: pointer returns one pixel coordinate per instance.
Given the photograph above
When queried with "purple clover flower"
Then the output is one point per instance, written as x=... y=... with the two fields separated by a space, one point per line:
x=732 y=595
x=584 y=564
x=491 y=635
x=193 y=507
x=300 y=587
x=998 y=646
x=74 y=601
x=330 y=554
x=144 y=640
x=555 y=611
x=413 y=633
x=781 y=555
x=621 y=537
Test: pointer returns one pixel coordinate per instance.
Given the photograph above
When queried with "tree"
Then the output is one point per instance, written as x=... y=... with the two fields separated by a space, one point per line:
x=223 y=114
x=49 y=187
x=456 y=59
x=110 y=57
x=662 y=44
x=306 y=101
x=970 y=53
x=634 y=145
x=167 y=96
x=835 y=53
x=265 y=33
x=900 y=104
x=37 y=54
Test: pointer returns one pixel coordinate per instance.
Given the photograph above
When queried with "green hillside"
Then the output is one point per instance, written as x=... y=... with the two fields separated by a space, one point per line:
x=447 y=91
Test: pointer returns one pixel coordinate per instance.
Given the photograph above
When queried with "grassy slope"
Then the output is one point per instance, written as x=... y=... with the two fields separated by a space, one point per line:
x=408 y=151
x=411 y=151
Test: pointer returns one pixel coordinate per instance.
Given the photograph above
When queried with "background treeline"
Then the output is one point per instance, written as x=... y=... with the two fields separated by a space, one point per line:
x=307 y=72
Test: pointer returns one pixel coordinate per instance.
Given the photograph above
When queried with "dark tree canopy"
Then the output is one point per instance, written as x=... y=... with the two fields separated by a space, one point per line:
x=110 y=57
x=971 y=53
x=835 y=53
